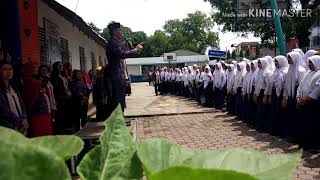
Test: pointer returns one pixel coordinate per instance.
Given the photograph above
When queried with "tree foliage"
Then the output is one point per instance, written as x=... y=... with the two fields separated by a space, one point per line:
x=292 y=26
x=94 y=27
x=192 y=33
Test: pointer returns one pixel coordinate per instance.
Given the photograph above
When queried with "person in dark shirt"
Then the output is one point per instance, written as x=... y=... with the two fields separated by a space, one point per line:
x=115 y=72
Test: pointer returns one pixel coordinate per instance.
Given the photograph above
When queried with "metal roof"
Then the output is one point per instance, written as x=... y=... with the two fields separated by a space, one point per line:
x=159 y=60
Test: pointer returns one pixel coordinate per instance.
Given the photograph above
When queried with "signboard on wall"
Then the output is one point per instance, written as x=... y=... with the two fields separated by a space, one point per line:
x=216 y=54
x=169 y=56
x=53 y=37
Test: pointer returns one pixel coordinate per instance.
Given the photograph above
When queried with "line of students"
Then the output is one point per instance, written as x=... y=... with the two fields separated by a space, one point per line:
x=277 y=95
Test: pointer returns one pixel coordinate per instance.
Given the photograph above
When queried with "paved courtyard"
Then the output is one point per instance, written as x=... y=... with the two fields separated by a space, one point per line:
x=184 y=122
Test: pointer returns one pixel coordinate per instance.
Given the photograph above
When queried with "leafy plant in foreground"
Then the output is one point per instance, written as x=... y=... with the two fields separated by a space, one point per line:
x=118 y=157
x=36 y=158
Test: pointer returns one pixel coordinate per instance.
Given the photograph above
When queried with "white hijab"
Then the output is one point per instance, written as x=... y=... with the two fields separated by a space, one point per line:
x=185 y=76
x=190 y=74
x=310 y=79
x=254 y=75
x=299 y=51
x=295 y=73
x=306 y=56
x=247 y=79
x=316 y=78
x=231 y=76
x=239 y=76
x=219 y=76
x=207 y=77
x=262 y=76
x=178 y=75
x=272 y=66
x=277 y=77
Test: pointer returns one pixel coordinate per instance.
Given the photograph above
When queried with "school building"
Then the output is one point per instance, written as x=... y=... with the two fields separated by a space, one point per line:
x=141 y=66
x=45 y=32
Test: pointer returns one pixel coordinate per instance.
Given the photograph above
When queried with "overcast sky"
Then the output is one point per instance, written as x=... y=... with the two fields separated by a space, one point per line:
x=144 y=15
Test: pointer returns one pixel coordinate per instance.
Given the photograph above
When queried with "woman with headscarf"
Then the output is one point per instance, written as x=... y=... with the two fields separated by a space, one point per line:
x=62 y=96
x=306 y=57
x=292 y=80
x=80 y=94
x=178 y=82
x=190 y=81
x=167 y=81
x=237 y=88
x=277 y=83
x=268 y=94
x=185 y=82
x=246 y=91
x=252 y=106
x=231 y=76
x=67 y=71
x=262 y=78
x=196 y=84
x=207 y=85
x=39 y=99
x=161 y=85
x=307 y=104
x=101 y=92
x=218 y=85
x=12 y=110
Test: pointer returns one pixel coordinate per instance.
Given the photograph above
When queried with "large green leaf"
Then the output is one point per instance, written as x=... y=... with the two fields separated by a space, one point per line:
x=116 y=157
x=64 y=146
x=157 y=155
x=28 y=162
x=10 y=135
x=91 y=164
x=187 y=173
x=257 y=164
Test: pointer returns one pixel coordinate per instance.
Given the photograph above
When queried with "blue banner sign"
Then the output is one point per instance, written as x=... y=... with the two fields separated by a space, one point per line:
x=216 y=54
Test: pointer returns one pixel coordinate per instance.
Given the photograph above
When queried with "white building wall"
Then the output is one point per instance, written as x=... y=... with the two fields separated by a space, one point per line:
x=134 y=69
x=75 y=37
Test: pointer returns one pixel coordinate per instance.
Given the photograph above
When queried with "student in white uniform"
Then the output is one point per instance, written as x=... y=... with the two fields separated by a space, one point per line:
x=246 y=91
x=218 y=85
x=292 y=80
x=231 y=77
x=252 y=104
x=262 y=79
x=277 y=82
x=179 y=82
x=237 y=88
x=307 y=104
x=207 y=77
x=191 y=78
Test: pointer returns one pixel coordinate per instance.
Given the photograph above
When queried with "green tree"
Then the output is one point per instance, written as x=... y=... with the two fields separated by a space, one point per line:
x=233 y=54
x=159 y=43
x=247 y=53
x=258 y=50
x=292 y=26
x=94 y=27
x=192 y=33
x=241 y=53
x=228 y=55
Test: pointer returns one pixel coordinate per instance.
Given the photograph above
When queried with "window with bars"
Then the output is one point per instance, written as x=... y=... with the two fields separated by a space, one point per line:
x=83 y=64
x=43 y=46
x=93 y=61
x=64 y=49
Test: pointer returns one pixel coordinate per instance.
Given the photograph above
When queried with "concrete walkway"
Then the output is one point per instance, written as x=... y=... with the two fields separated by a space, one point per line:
x=143 y=102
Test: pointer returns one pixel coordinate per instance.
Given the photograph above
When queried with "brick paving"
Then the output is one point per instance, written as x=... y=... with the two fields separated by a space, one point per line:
x=218 y=131
x=185 y=122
